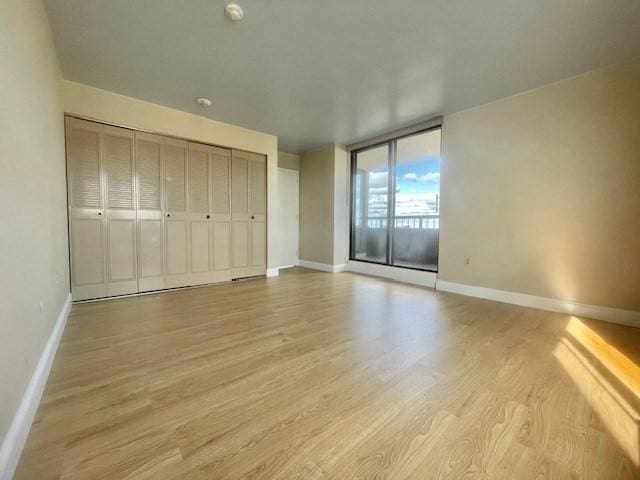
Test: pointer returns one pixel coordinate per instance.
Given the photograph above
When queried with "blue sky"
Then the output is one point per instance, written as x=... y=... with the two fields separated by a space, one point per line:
x=417 y=188
x=419 y=177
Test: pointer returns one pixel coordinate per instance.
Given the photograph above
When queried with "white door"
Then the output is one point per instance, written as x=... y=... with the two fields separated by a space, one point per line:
x=288 y=217
x=200 y=241
x=248 y=214
x=120 y=210
x=258 y=211
x=102 y=209
x=221 y=216
x=176 y=217
x=86 y=209
x=150 y=223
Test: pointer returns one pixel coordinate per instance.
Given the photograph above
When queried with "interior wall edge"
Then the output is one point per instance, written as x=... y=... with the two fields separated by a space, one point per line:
x=290 y=161
x=323 y=267
x=273 y=272
x=317 y=186
x=608 y=314
x=20 y=426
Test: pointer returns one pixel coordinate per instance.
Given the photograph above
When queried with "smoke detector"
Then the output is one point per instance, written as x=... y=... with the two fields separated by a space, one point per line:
x=203 y=102
x=234 y=12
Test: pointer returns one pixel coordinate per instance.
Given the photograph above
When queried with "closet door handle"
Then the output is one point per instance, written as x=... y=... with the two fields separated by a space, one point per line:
x=99 y=214
x=168 y=214
x=208 y=217
x=252 y=217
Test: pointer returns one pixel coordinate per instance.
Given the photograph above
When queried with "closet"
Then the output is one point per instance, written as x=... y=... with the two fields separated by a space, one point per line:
x=149 y=212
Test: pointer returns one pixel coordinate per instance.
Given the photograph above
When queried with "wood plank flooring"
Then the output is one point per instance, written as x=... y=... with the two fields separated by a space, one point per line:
x=335 y=376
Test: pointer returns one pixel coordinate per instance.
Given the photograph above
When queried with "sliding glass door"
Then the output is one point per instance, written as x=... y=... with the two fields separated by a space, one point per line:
x=396 y=202
x=371 y=204
x=417 y=201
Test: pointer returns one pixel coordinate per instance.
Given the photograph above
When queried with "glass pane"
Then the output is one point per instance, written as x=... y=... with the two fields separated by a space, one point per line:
x=371 y=205
x=417 y=201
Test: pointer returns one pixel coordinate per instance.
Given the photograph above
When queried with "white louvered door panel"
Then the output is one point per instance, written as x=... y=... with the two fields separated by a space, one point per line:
x=200 y=241
x=119 y=177
x=220 y=160
x=248 y=214
x=86 y=209
x=150 y=228
x=258 y=211
x=176 y=217
x=239 y=214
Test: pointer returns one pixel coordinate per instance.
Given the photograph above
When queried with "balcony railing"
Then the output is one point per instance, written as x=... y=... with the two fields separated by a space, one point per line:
x=415 y=240
x=417 y=222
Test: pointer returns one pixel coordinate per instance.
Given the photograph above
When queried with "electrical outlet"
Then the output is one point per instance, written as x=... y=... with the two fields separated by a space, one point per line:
x=467 y=261
x=42 y=305
x=57 y=279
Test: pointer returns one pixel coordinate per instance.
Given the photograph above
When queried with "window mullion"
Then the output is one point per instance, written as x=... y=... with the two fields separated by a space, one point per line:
x=391 y=208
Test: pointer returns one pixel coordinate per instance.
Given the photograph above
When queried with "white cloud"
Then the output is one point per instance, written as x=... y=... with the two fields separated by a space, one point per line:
x=430 y=177
x=416 y=204
x=407 y=204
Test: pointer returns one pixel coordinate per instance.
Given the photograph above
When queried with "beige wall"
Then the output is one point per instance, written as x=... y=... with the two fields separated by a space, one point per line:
x=113 y=108
x=324 y=212
x=341 y=205
x=288 y=160
x=316 y=205
x=542 y=191
x=33 y=218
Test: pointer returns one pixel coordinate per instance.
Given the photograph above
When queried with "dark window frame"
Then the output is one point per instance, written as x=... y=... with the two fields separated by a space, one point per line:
x=391 y=207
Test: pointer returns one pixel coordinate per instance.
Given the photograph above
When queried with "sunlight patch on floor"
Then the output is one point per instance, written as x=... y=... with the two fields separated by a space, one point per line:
x=617 y=363
x=621 y=418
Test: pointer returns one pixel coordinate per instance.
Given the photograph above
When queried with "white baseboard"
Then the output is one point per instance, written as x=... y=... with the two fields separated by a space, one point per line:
x=16 y=437
x=325 y=267
x=608 y=314
x=273 y=272
x=406 y=275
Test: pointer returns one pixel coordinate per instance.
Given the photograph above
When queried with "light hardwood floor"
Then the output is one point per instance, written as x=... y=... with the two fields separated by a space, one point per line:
x=337 y=376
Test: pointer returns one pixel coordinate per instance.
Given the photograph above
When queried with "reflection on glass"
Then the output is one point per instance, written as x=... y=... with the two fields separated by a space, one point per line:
x=417 y=201
x=371 y=205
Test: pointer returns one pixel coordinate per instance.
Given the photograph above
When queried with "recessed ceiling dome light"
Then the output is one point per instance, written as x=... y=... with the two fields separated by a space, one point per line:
x=234 y=12
x=203 y=102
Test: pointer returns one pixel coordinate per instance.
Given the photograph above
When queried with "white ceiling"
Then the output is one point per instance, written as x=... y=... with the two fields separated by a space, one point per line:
x=319 y=71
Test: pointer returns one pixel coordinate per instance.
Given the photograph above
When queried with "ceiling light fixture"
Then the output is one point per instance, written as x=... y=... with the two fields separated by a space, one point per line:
x=203 y=102
x=234 y=12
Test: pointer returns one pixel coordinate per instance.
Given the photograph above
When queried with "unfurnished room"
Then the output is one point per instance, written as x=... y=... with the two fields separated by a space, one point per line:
x=303 y=239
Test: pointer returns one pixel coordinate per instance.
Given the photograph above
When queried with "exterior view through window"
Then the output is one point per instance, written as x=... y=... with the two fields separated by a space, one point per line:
x=396 y=202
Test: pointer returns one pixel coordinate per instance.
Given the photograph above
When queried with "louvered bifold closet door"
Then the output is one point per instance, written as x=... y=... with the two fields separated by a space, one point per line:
x=176 y=217
x=248 y=214
x=150 y=221
x=258 y=211
x=221 y=216
x=200 y=235
x=86 y=209
x=119 y=180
